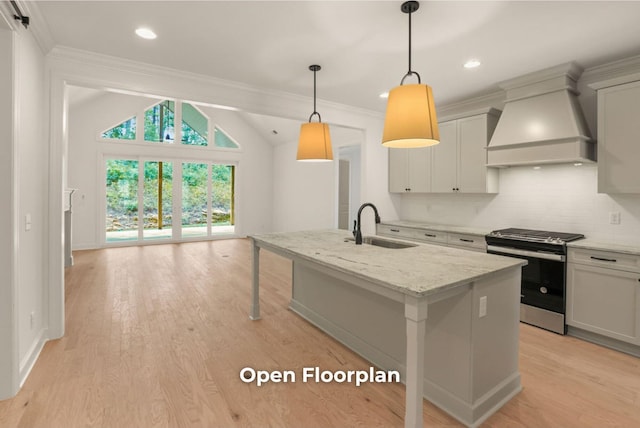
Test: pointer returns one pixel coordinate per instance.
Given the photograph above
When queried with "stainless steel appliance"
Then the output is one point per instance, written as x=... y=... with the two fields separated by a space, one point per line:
x=543 y=291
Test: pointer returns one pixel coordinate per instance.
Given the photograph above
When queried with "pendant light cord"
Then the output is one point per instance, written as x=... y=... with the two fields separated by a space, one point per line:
x=314 y=68
x=410 y=72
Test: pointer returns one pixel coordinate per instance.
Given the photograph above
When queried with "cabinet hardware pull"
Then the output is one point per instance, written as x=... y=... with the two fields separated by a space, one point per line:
x=395 y=230
x=603 y=259
x=429 y=235
x=466 y=240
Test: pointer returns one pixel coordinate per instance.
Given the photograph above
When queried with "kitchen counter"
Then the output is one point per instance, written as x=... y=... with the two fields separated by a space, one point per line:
x=419 y=271
x=446 y=319
x=477 y=231
x=591 y=244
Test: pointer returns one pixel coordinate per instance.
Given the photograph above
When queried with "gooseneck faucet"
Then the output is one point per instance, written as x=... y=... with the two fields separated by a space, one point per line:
x=356 y=226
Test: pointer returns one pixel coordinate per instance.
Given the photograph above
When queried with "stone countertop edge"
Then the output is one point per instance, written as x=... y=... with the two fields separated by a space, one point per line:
x=592 y=244
x=442 y=268
x=477 y=231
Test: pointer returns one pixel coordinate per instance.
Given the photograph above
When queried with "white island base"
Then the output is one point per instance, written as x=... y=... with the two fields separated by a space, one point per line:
x=446 y=319
x=470 y=363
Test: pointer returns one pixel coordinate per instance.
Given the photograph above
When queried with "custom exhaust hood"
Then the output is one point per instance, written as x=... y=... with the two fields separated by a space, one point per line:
x=542 y=122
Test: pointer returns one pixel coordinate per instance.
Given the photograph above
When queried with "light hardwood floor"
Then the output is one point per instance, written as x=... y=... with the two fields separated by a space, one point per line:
x=157 y=335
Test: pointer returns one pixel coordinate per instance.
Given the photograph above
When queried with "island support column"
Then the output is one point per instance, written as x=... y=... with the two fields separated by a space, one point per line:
x=415 y=313
x=255 y=290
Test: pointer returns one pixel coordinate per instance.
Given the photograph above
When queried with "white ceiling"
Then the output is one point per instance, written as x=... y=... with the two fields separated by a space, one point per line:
x=361 y=45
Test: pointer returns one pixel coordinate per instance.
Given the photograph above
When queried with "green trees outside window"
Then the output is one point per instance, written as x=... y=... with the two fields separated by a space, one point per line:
x=207 y=202
x=159 y=123
x=122 y=200
x=125 y=131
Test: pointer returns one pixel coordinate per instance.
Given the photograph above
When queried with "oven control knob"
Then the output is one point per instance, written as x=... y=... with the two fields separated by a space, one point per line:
x=543 y=290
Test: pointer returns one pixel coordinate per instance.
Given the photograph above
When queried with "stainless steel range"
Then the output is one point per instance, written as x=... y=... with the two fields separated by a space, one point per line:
x=543 y=291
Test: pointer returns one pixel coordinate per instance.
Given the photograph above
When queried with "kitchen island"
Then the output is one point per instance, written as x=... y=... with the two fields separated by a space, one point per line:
x=446 y=319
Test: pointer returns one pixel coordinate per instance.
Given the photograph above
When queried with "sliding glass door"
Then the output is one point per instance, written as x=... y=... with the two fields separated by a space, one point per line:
x=176 y=200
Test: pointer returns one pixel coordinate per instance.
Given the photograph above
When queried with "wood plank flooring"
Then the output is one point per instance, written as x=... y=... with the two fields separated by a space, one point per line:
x=156 y=337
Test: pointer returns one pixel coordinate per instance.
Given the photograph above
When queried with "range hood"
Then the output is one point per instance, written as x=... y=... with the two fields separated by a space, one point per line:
x=542 y=122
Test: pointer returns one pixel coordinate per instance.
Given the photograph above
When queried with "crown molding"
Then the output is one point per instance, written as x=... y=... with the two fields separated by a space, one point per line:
x=612 y=73
x=68 y=55
x=470 y=106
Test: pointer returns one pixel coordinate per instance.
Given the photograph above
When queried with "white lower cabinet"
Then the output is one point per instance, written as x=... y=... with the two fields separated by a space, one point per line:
x=438 y=237
x=603 y=294
x=467 y=242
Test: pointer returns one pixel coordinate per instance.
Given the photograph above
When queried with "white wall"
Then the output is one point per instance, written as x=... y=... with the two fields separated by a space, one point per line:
x=33 y=155
x=23 y=166
x=87 y=119
x=560 y=198
x=8 y=350
x=304 y=193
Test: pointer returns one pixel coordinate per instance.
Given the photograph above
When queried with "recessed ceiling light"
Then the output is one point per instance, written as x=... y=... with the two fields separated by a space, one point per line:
x=537 y=167
x=146 y=33
x=472 y=63
x=577 y=164
x=384 y=95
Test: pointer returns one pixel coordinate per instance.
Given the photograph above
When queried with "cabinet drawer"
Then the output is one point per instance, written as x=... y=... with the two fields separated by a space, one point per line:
x=394 y=231
x=471 y=242
x=415 y=234
x=607 y=259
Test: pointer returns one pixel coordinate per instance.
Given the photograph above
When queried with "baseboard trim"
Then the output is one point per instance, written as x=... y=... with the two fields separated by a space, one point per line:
x=29 y=360
x=601 y=340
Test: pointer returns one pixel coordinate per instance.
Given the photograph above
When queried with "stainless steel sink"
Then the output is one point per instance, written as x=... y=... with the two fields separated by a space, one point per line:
x=381 y=242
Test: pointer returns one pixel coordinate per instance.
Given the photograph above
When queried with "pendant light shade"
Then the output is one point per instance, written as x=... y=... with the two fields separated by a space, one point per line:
x=314 y=143
x=410 y=120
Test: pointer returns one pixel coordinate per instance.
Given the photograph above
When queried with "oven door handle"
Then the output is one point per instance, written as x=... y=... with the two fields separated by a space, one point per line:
x=534 y=254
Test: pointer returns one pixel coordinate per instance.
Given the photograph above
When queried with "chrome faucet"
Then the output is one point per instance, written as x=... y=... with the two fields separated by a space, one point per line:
x=356 y=224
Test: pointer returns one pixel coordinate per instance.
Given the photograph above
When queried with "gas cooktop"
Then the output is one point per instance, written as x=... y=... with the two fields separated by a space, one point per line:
x=557 y=238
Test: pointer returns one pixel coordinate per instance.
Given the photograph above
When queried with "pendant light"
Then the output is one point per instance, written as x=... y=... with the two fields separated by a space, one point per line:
x=315 y=142
x=410 y=120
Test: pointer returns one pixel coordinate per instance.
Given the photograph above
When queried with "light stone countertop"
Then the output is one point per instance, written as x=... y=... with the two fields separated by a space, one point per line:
x=419 y=271
x=590 y=244
x=477 y=231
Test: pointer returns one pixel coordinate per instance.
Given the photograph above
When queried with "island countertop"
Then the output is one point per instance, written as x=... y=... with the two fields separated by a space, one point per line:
x=419 y=271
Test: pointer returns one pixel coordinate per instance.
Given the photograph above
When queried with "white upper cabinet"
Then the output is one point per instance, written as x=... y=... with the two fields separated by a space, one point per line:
x=619 y=138
x=460 y=160
x=410 y=170
x=445 y=158
x=457 y=164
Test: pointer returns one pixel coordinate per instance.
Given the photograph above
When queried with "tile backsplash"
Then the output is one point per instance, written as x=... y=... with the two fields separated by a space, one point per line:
x=561 y=198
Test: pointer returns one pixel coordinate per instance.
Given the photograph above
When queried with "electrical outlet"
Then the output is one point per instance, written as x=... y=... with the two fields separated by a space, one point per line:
x=614 y=217
x=483 y=306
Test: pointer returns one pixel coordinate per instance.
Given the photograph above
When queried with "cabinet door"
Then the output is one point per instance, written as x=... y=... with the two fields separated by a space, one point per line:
x=619 y=139
x=419 y=169
x=444 y=161
x=398 y=170
x=472 y=159
x=410 y=170
x=604 y=301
